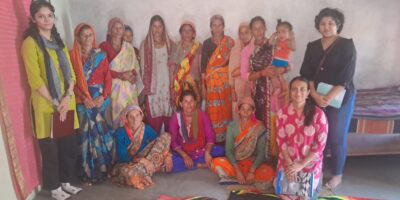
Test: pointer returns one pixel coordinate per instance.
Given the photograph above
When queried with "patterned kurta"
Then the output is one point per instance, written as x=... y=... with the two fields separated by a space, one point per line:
x=302 y=140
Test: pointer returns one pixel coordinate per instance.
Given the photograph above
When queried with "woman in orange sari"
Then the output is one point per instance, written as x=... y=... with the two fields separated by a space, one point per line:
x=216 y=89
x=244 y=149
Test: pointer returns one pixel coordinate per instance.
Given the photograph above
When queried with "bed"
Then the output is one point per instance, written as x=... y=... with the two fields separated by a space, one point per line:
x=375 y=126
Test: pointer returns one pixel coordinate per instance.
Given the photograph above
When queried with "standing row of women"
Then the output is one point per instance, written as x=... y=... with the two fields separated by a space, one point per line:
x=105 y=82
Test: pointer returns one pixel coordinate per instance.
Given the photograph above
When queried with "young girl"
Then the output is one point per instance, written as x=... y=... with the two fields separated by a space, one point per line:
x=52 y=79
x=284 y=43
x=302 y=129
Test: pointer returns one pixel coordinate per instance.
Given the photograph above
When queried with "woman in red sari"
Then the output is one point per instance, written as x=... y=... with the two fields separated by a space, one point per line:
x=216 y=89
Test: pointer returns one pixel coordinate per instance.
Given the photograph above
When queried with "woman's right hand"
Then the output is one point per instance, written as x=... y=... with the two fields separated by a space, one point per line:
x=239 y=176
x=89 y=104
x=268 y=72
x=320 y=100
x=188 y=162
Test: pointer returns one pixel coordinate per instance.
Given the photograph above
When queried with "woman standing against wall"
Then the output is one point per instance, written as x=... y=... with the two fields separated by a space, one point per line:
x=332 y=60
x=154 y=53
x=52 y=79
x=214 y=68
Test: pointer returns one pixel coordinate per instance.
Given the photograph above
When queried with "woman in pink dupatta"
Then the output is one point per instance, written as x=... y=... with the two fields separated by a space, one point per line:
x=126 y=84
x=240 y=87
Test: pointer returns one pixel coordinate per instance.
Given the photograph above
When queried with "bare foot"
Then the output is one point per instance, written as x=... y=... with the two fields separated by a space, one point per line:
x=334 y=182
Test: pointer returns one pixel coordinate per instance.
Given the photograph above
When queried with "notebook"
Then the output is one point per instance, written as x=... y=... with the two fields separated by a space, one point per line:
x=61 y=129
x=324 y=88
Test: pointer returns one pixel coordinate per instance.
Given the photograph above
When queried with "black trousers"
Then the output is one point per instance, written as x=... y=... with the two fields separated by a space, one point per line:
x=58 y=160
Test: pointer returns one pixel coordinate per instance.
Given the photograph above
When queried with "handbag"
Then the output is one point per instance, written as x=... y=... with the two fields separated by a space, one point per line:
x=61 y=129
x=302 y=186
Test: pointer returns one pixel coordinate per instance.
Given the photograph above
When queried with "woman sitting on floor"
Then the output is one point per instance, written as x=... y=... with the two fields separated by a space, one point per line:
x=140 y=151
x=244 y=148
x=192 y=136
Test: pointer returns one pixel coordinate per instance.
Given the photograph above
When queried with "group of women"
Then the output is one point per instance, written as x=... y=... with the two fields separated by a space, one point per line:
x=138 y=110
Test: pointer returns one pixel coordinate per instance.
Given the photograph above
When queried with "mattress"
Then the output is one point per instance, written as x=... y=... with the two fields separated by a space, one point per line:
x=377 y=111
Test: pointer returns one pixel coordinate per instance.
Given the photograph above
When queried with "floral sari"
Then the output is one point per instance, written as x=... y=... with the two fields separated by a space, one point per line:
x=133 y=173
x=123 y=92
x=218 y=97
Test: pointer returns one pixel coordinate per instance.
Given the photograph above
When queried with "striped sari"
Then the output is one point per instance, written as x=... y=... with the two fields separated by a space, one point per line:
x=218 y=96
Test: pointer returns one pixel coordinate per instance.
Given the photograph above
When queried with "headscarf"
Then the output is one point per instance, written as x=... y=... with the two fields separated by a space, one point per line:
x=76 y=60
x=148 y=56
x=127 y=110
x=191 y=24
x=111 y=24
x=234 y=59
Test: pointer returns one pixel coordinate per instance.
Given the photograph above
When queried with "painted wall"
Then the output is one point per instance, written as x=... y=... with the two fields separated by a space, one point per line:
x=6 y=189
x=374 y=25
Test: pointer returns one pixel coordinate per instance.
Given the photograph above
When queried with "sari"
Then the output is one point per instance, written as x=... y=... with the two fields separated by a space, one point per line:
x=187 y=74
x=144 y=143
x=246 y=149
x=96 y=133
x=96 y=130
x=259 y=60
x=123 y=92
x=218 y=96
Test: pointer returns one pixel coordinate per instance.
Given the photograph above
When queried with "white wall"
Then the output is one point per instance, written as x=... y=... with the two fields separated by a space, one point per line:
x=374 y=25
x=6 y=189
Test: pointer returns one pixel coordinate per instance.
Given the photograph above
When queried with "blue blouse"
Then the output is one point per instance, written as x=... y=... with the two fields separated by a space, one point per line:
x=122 y=142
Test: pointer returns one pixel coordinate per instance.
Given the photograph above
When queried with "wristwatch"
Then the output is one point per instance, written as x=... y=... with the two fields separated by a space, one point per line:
x=68 y=93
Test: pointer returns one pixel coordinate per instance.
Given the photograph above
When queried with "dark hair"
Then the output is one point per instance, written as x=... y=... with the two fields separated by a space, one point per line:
x=188 y=92
x=255 y=19
x=33 y=30
x=284 y=23
x=86 y=26
x=128 y=28
x=310 y=107
x=336 y=15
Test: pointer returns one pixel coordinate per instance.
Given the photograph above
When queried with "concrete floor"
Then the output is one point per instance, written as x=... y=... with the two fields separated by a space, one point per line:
x=369 y=176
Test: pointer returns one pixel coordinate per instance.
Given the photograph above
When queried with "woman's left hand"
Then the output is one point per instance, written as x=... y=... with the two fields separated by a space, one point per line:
x=99 y=101
x=250 y=178
x=63 y=107
x=294 y=168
